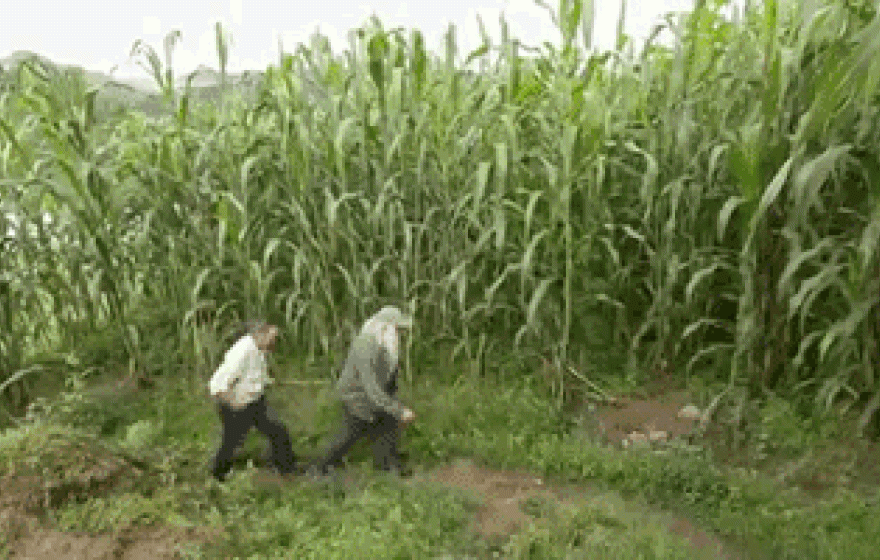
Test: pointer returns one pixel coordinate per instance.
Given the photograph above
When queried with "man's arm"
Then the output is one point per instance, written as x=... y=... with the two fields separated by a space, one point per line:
x=230 y=370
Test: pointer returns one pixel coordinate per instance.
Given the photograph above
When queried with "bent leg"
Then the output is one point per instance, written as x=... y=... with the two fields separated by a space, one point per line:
x=268 y=423
x=385 y=445
x=235 y=426
x=352 y=429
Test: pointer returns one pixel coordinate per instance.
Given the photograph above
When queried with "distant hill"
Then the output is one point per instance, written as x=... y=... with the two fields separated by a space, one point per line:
x=9 y=62
x=144 y=84
x=143 y=93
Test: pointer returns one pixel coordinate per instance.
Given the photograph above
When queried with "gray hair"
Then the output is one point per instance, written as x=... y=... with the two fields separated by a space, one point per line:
x=392 y=316
x=377 y=327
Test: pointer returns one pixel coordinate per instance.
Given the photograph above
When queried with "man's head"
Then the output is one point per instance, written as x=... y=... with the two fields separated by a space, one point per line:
x=385 y=326
x=264 y=336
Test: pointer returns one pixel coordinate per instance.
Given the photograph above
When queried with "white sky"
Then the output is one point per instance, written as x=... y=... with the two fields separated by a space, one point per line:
x=98 y=34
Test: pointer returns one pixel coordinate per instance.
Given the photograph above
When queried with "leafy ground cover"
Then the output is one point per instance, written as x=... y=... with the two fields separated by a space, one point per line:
x=499 y=471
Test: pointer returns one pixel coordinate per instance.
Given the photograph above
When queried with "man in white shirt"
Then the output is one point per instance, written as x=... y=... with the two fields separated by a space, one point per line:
x=237 y=387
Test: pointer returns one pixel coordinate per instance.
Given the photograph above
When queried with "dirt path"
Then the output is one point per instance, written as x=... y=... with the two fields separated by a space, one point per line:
x=141 y=544
x=504 y=494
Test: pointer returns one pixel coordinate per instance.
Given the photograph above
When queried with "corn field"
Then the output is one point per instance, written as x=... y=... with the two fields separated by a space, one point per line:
x=716 y=202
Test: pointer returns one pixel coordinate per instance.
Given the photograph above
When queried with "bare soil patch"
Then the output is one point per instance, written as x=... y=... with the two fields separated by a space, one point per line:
x=501 y=492
x=852 y=463
x=68 y=467
x=503 y=495
x=25 y=498
x=614 y=423
x=71 y=471
x=25 y=534
x=153 y=543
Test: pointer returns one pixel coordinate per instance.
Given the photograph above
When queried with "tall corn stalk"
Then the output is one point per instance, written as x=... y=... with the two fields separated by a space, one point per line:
x=712 y=202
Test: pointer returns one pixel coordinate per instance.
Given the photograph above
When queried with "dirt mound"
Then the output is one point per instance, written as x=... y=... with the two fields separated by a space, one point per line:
x=501 y=492
x=47 y=467
x=26 y=497
x=137 y=544
x=846 y=462
x=505 y=494
x=66 y=467
x=46 y=545
x=14 y=523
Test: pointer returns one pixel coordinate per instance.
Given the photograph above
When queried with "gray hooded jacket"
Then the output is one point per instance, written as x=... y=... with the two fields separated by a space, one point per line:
x=366 y=384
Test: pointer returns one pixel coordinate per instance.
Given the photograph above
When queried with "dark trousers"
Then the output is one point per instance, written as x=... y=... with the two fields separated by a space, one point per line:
x=236 y=425
x=384 y=430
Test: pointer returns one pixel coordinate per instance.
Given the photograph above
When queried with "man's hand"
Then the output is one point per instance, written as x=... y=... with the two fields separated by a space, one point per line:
x=408 y=416
x=222 y=397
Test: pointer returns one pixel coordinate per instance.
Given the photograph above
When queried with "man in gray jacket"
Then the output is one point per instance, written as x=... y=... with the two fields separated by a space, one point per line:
x=367 y=388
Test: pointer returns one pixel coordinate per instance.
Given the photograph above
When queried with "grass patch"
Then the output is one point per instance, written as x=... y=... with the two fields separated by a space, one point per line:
x=174 y=429
x=599 y=530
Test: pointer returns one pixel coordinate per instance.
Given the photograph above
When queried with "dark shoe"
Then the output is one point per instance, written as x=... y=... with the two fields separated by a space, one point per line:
x=316 y=471
x=286 y=468
x=219 y=477
x=322 y=476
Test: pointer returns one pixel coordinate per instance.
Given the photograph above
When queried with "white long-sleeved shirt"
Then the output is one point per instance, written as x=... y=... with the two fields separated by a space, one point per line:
x=243 y=372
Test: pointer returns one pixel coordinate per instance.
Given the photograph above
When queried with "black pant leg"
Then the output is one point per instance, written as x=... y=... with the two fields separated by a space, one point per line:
x=352 y=429
x=268 y=423
x=235 y=426
x=387 y=433
x=385 y=443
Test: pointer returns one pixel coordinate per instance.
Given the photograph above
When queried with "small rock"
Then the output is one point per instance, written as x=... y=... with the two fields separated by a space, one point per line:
x=689 y=412
x=658 y=436
x=635 y=439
